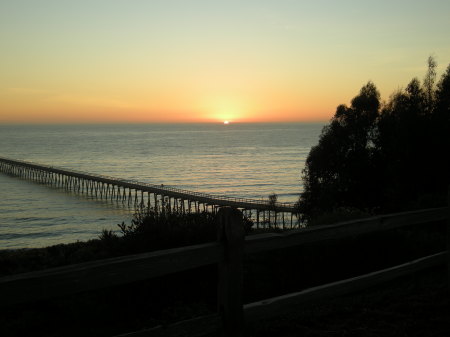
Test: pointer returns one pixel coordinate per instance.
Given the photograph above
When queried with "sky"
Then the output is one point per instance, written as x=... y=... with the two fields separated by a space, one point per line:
x=209 y=61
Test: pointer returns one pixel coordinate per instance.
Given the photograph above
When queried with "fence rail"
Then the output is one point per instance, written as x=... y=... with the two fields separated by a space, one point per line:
x=228 y=253
x=98 y=274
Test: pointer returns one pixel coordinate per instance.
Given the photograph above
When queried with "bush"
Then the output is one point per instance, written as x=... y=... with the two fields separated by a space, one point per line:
x=154 y=230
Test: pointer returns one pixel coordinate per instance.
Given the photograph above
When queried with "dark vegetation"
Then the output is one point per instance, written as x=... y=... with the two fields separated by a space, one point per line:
x=373 y=157
x=148 y=231
x=376 y=157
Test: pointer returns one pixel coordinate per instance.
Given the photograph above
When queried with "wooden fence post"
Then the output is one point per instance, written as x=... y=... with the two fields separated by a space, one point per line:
x=230 y=307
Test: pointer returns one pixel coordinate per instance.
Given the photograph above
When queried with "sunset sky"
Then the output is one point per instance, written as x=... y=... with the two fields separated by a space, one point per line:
x=209 y=61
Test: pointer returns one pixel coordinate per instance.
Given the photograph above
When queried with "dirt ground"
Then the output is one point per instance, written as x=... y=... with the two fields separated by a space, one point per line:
x=415 y=306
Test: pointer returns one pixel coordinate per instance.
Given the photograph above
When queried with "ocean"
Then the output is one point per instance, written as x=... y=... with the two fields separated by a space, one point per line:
x=240 y=160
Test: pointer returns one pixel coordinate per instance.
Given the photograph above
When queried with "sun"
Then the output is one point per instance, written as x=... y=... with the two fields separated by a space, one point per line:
x=224 y=110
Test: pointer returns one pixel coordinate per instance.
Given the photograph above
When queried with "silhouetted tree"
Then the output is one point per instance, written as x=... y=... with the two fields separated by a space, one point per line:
x=398 y=144
x=379 y=159
x=428 y=82
x=273 y=198
x=442 y=112
x=441 y=127
x=336 y=166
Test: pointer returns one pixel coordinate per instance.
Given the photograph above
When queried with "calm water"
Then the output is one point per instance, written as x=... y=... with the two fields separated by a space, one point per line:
x=244 y=160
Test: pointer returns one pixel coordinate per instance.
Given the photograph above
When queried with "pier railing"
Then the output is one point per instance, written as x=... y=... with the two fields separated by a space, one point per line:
x=228 y=254
x=20 y=168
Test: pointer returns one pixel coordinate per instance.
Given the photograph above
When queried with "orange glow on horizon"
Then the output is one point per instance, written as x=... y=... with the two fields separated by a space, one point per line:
x=41 y=106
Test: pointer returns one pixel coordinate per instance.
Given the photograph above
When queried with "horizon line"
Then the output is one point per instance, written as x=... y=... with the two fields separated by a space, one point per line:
x=159 y=122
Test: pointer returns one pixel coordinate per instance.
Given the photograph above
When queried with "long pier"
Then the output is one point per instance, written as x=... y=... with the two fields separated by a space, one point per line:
x=134 y=193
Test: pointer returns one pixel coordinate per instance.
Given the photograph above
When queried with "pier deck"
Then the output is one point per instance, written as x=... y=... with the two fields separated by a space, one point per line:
x=140 y=193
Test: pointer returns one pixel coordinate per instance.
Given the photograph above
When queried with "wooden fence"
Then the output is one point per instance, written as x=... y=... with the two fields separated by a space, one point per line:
x=228 y=253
